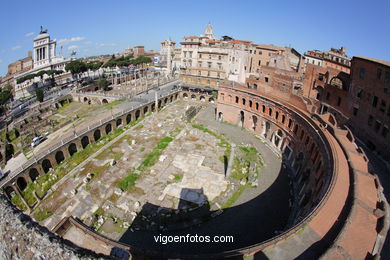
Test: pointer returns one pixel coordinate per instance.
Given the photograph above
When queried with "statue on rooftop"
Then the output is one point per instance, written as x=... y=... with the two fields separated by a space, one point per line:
x=43 y=30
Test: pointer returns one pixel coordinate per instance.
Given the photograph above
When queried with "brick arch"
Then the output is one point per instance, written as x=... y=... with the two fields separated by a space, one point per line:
x=108 y=128
x=118 y=121
x=128 y=118
x=21 y=182
x=33 y=173
x=96 y=134
x=85 y=141
x=46 y=165
x=59 y=156
x=72 y=148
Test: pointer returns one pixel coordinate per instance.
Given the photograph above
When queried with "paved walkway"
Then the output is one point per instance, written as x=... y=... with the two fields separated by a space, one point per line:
x=255 y=216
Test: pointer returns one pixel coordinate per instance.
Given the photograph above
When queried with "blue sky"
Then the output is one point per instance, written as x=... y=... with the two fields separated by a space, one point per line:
x=105 y=27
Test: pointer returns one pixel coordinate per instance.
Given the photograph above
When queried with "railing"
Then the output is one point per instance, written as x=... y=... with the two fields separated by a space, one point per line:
x=69 y=139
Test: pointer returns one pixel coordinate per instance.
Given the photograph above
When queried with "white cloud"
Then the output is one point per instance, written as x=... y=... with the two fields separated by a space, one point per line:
x=14 y=48
x=29 y=34
x=73 y=39
x=72 y=47
x=88 y=42
x=105 y=44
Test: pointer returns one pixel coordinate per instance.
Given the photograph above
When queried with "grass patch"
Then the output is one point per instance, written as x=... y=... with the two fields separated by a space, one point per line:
x=117 y=156
x=178 y=177
x=41 y=214
x=139 y=126
x=234 y=197
x=128 y=181
x=17 y=201
x=150 y=160
x=142 y=149
x=222 y=142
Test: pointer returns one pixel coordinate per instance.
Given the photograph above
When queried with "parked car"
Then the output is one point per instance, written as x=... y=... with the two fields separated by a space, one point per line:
x=37 y=140
x=3 y=174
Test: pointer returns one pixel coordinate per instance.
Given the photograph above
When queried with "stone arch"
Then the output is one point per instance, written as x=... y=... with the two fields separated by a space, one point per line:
x=104 y=101
x=108 y=128
x=171 y=99
x=96 y=135
x=176 y=95
x=166 y=100
x=128 y=118
x=85 y=99
x=257 y=106
x=84 y=141
x=338 y=83
x=263 y=108
x=250 y=103
x=202 y=98
x=243 y=101
x=59 y=157
x=237 y=99
x=33 y=173
x=153 y=107
x=241 y=118
x=220 y=116
x=72 y=148
x=137 y=114
x=278 y=138
x=254 y=122
x=185 y=96
x=9 y=190
x=22 y=183
x=159 y=103
x=118 y=121
x=267 y=128
x=146 y=109
x=46 y=165
x=193 y=97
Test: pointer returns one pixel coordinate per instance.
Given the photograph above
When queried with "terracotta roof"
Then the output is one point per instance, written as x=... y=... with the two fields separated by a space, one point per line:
x=269 y=47
x=241 y=42
x=383 y=62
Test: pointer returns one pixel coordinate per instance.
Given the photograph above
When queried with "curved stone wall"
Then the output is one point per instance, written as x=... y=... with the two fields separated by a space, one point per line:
x=292 y=133
x=334 y=193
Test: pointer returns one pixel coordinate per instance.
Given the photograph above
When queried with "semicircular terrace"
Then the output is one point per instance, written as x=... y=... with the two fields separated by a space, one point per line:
x=336 y=201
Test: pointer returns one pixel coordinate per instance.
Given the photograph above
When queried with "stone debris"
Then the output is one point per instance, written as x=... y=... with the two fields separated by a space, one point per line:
x=21 y=237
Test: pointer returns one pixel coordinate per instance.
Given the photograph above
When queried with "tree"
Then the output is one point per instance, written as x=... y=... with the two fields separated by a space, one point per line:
x=103 y=84
x=76 y=67
x=40 y=95
x=5 y=94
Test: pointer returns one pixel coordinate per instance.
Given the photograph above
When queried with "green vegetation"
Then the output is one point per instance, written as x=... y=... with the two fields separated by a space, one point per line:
x=127 y=61
x=178 y=177
x=17 y=201
x=39 y=94
x=139 y=126
x=235 y=196
x=128 y=181
x=76 y=67
x=150 y=159
x=5 y=94
x=39 y=74
x=142 y=149
x=41 y=214
x=103 y=84
x=222 y=141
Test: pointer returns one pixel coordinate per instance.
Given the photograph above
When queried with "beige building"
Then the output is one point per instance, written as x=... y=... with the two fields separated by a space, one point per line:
x=207 y=61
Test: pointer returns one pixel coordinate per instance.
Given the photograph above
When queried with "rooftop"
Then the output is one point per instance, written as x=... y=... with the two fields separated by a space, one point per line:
x=383 y=62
